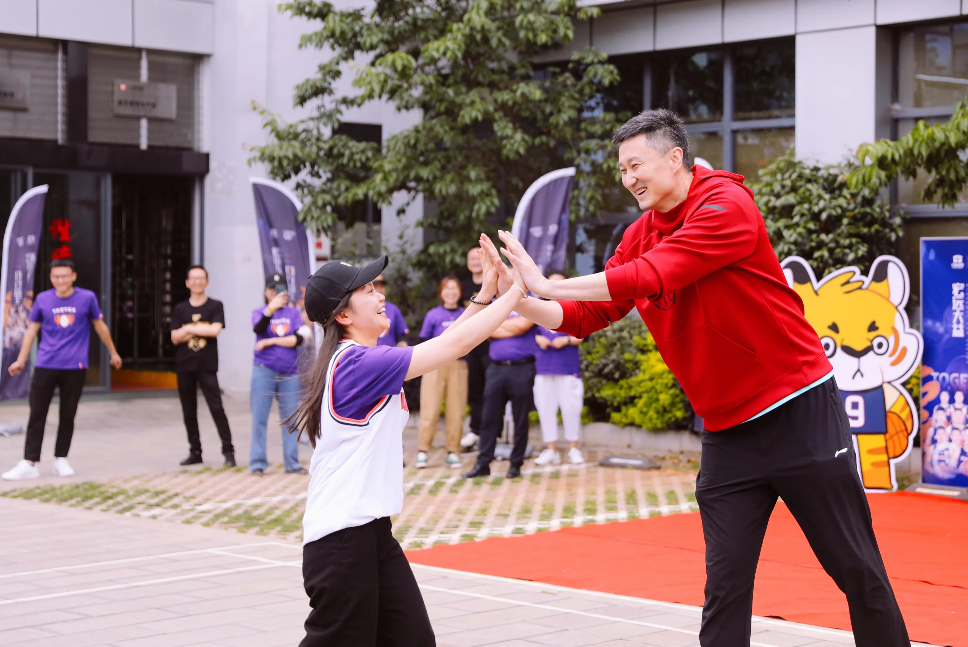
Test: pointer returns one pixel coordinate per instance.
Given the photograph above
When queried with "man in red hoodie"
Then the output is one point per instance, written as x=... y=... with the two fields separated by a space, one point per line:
x=701 y=271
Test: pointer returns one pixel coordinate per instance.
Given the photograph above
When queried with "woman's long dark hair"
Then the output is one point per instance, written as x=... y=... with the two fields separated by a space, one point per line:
x=309 y=414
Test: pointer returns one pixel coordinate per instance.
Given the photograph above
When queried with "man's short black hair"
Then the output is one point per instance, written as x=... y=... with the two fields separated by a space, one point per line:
x=662 y=128
x=196 y=267
x=63 y=262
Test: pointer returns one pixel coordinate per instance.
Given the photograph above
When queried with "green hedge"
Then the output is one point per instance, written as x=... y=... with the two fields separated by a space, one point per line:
x=626 y=381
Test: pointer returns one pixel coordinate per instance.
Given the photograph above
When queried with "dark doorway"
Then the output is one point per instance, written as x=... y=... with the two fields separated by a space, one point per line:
x=151 y=242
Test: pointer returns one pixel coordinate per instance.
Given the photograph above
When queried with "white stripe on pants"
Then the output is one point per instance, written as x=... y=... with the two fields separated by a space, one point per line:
x=553 y=392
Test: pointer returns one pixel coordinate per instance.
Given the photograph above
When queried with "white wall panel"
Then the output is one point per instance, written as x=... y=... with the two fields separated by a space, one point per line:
x=92 y=21
x=18 y=17
x=816 y=15
x=754 y=19
x=893 y=11
x=175 y=25
x=842 y=86
x=689 y=24
x=625 y=32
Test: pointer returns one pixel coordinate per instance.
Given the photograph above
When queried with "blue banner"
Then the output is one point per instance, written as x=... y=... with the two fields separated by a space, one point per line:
x=944 y=371
x=285 y=246
x=541 y=219
x=20 y=242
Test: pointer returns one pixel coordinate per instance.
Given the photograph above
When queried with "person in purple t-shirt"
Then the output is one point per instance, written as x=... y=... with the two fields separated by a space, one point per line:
x=557 y=386
x=360 y=585
x=450 y=380
x=61 y=315
x=279 y=331
x=396 y=334
x=510 y=377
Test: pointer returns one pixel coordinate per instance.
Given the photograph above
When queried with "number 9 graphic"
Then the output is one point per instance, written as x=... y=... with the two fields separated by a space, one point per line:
x=854 y=405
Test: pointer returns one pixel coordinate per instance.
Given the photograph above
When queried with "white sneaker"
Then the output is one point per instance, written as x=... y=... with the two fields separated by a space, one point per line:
x=575 y=456
x=469 y=440
x=548 y=457
x=23 y=471
x=452 y=461
x=421 y=461
x=62 y=467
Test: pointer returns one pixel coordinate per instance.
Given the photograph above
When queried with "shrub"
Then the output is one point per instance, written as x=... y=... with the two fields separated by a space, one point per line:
x=811 y=212
x=626 y=381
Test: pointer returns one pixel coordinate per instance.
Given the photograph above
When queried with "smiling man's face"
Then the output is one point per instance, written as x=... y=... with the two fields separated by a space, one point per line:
x=649 y=175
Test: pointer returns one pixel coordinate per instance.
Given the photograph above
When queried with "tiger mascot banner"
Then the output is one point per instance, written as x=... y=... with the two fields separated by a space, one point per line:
x=873 y=349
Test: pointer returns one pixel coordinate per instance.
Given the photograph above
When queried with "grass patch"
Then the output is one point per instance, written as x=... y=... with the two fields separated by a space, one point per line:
x=568 y=511
x=652 y=499
x=591 y=508
x=435 y=487
x=691 y=497
x=671 y=498
x=457 y=485
x=535 y=478
x=547 y=510
x=631 y=498
x=415 y=490
x=496 y=481
x=464 y=538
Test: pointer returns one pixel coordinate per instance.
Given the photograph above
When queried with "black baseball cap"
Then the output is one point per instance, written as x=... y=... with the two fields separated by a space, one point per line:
x=276 y=281
x=333 y=281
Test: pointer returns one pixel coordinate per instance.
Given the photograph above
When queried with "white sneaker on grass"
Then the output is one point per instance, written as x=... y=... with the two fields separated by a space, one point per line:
x=575 y=456
x=548 y=457
x=421 y=461
x=452 y=461
x=23 y=471
x=62 y=467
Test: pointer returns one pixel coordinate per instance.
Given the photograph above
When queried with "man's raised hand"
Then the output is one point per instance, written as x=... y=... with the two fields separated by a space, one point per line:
x=523 y=263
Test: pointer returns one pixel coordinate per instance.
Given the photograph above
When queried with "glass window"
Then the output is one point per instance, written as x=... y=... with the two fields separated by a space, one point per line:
x=765 y=82
x=933 y=66
x=708 y=146
x=755 y=149
x=690 y=84
x=595 y=243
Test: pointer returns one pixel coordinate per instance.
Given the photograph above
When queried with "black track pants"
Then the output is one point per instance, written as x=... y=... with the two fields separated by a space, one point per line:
x=70 y=383
x=362 y=591
x=804 y=453
x=188 y=384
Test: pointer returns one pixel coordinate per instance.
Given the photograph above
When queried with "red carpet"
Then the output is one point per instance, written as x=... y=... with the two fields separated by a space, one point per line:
x=924 y=541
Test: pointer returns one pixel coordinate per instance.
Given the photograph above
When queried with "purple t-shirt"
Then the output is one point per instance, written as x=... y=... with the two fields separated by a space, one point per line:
x=284 y=322
x=364 y=375
x=557 y=361
x=438 y=320
x=64 y=328
x=514 y=349
x=398 y=327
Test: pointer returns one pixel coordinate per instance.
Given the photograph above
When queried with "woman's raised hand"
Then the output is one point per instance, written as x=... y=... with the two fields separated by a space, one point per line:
x=489 y=284
x=504 y=278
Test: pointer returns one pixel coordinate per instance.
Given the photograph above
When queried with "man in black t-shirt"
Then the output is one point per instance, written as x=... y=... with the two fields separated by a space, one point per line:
x=478 y=359
x=195 y=325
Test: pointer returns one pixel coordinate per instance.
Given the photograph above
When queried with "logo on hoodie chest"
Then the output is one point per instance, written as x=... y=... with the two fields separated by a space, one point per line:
x=666 y=301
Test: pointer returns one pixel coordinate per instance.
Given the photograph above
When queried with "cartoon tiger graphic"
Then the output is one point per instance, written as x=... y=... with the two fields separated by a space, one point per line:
x=873 y=349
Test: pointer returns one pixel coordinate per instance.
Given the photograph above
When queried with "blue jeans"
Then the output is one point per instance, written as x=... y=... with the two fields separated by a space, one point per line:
x=267 y=384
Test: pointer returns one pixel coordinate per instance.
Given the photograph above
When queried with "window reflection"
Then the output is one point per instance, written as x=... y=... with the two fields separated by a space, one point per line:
x=595 y=243
x=933 y=66
x=690 y=85
x=756 y=149
x=708 y=146
x=765 y=81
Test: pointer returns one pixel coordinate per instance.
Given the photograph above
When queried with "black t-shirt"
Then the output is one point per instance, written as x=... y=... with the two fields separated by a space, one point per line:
x=199 y=353
x=470 y=289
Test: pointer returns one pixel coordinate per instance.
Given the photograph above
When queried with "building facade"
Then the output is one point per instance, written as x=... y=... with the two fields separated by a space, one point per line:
x=139 y=192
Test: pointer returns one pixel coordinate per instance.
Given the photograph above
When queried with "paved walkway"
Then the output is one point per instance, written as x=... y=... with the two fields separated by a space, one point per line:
x=78 y=578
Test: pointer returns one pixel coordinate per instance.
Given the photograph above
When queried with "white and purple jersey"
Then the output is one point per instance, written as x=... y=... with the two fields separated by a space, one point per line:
x=557 y=361
x=356 y=473
x=64 y=327
x=283 y=322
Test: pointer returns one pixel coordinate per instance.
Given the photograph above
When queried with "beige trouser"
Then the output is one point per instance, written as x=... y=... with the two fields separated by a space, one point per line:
x=452 y=381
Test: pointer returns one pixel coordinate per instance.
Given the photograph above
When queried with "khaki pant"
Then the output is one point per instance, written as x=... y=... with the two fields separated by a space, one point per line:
x=452 y=381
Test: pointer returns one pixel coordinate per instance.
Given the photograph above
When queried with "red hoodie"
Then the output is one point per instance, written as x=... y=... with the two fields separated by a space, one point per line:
x=709 y=287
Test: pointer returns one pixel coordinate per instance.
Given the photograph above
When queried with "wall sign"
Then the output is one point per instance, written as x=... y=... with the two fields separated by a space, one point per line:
x=944 y=372
x=865 y=332
x=139 y=100
x=14 y=90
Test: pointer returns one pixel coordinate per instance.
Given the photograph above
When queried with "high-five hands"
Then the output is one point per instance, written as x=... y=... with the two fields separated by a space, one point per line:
x=489 y=284
x=504 y=277
x=523 y=263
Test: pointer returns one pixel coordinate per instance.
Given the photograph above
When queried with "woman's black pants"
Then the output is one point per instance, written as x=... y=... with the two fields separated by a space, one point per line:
x=803 y=452
x=362 y=591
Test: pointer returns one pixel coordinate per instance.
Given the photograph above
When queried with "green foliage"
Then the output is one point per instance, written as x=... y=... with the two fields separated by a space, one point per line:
x=492 y=120
x=812 y=212
x=626 y=381
x=938 y=150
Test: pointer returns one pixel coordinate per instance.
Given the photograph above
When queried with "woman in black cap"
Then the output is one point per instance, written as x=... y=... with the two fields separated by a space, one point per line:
x=361 y=589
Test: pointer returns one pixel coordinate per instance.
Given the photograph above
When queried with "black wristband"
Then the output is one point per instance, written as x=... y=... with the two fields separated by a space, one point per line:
x=473 y=300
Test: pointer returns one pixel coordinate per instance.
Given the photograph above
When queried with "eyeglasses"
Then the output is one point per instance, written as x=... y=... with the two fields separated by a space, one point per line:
x=197 y=278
